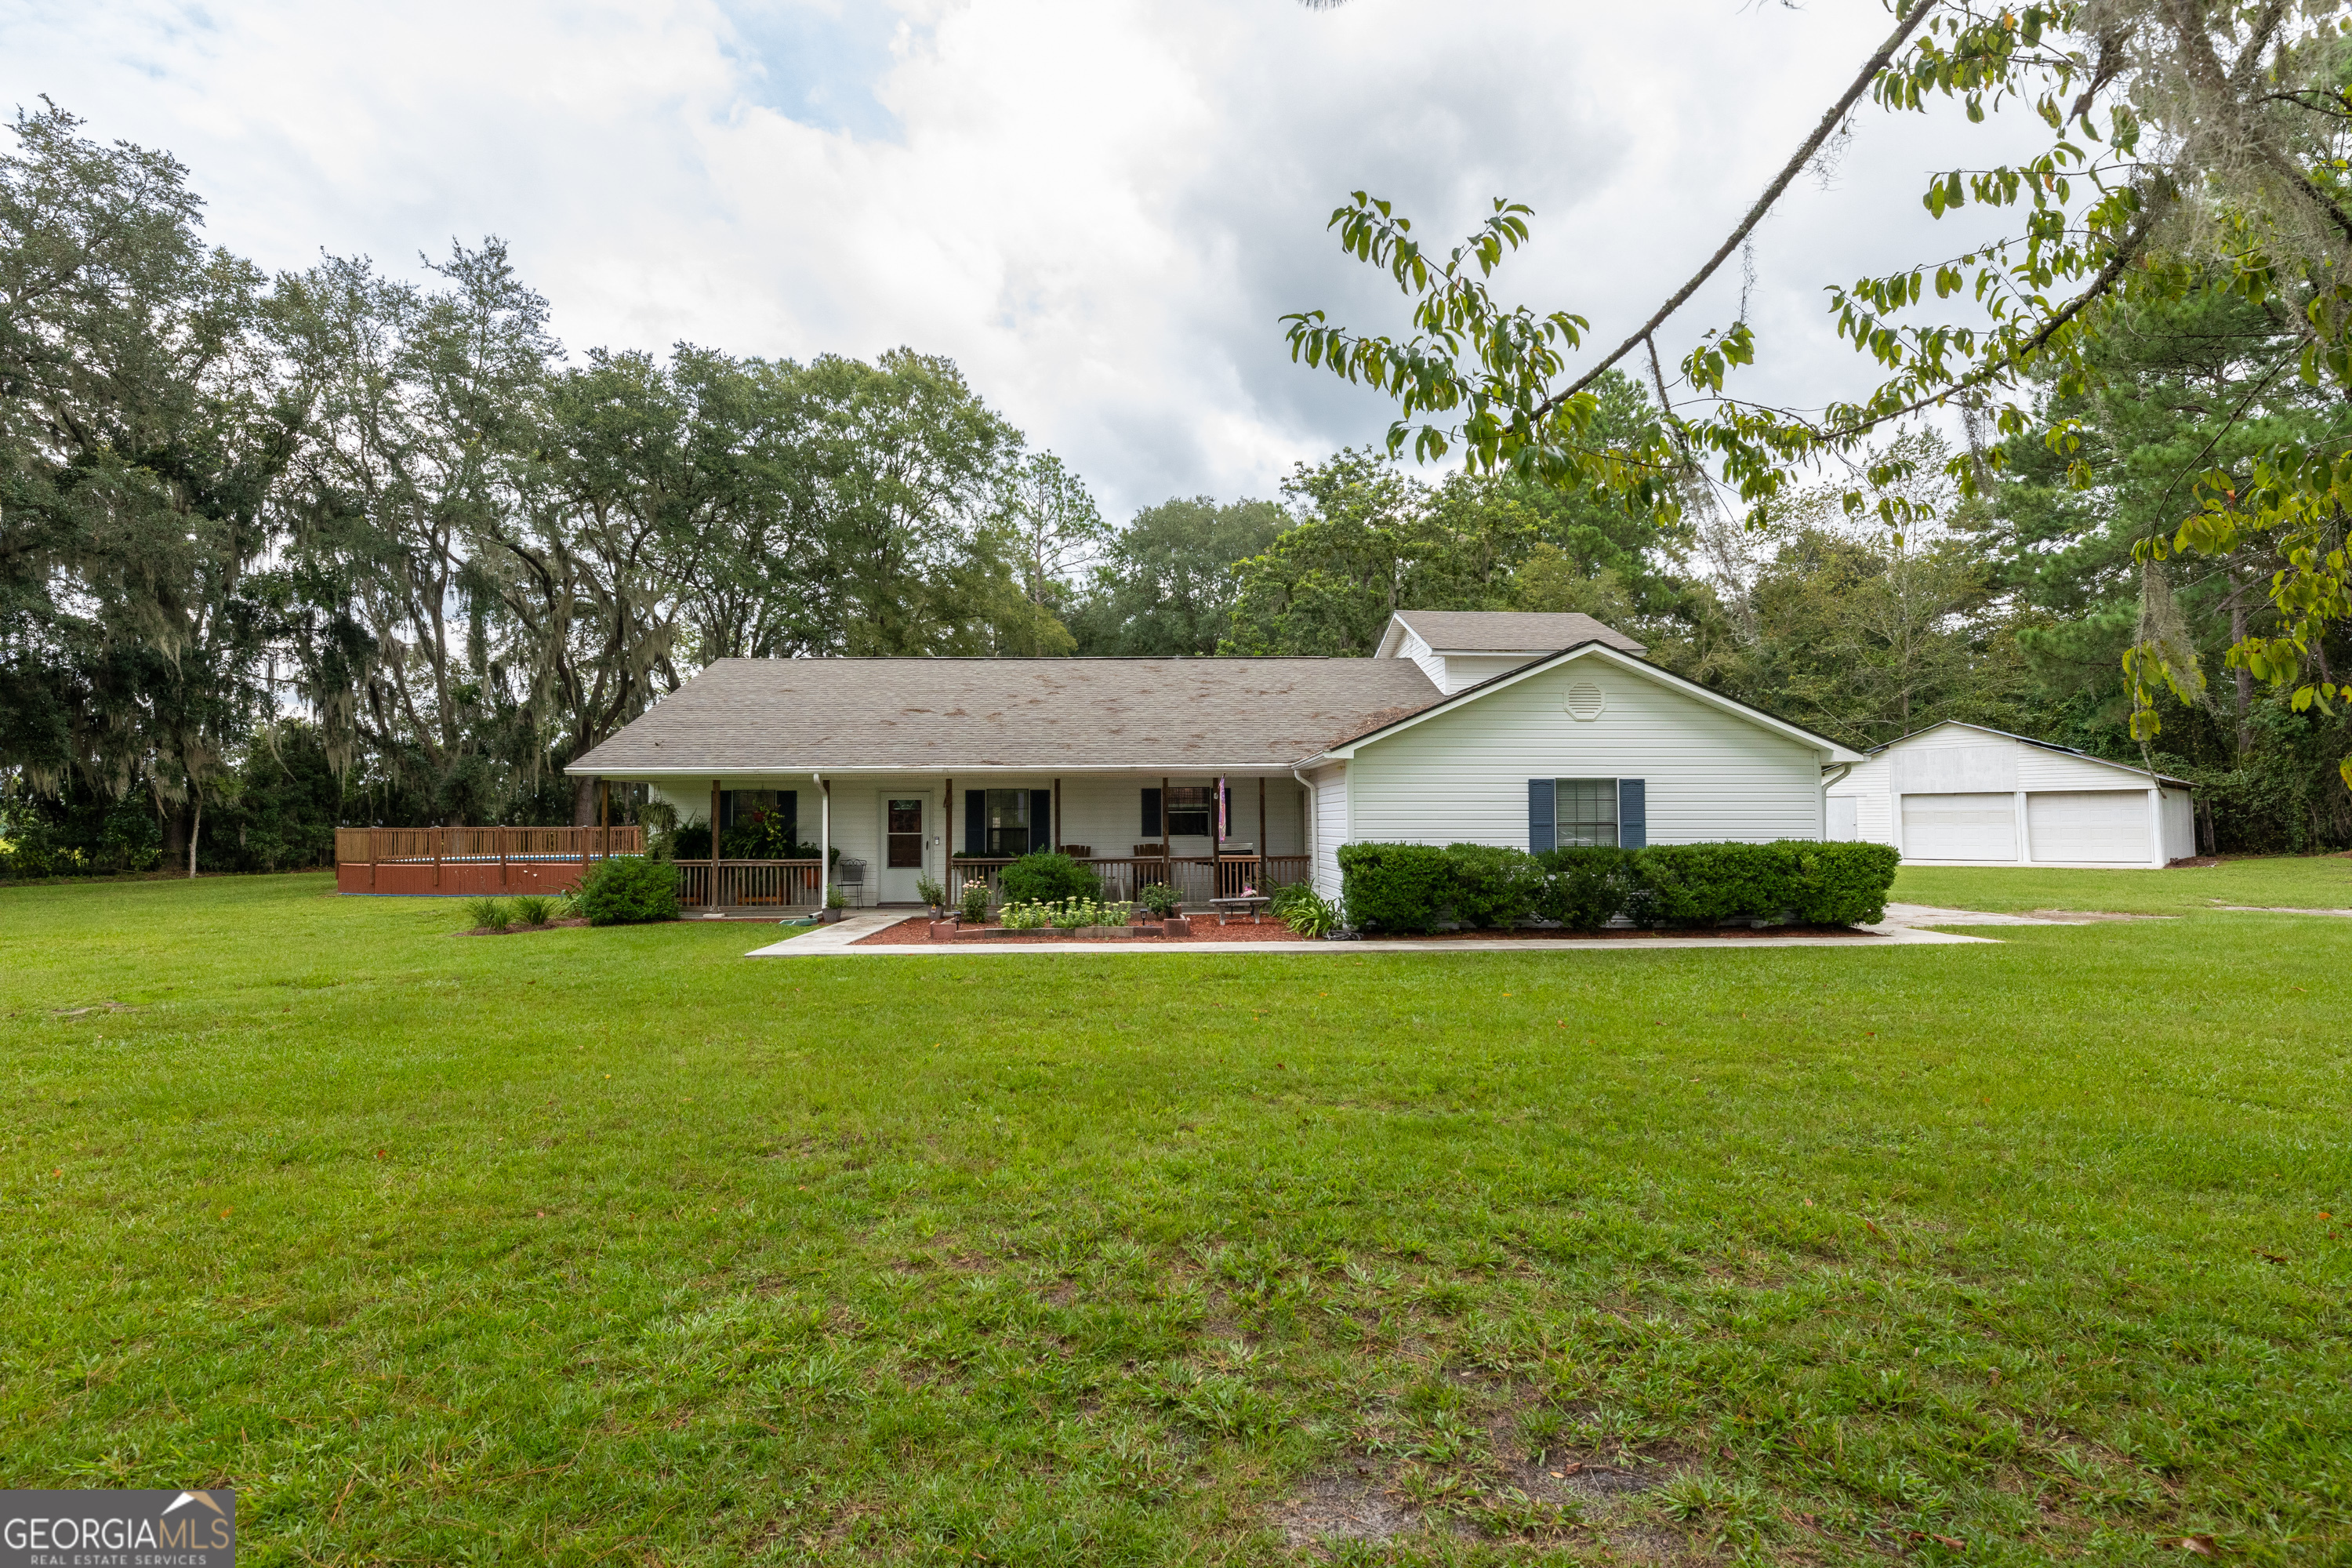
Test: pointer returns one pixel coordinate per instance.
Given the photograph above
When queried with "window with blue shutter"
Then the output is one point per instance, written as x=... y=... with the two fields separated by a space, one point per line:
x=1540 y=836
x=1151 y=813
x=1584 y=813
x=1041 y=819
x=1632 y=812
x=975 y=822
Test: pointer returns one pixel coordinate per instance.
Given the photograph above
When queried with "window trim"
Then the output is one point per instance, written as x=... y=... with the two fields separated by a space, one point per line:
x=1563 y=836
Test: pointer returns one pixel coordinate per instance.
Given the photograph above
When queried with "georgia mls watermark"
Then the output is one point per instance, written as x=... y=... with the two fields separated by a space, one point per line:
x=118 y=1530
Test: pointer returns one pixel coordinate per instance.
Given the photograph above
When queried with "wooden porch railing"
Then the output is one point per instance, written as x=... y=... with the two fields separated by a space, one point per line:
x=749 y=884
x=412 y=846
x=1192 y=876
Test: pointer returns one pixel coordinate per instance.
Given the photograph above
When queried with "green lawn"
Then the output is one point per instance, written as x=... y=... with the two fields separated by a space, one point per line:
x=610 y=1245
x=2317 y=881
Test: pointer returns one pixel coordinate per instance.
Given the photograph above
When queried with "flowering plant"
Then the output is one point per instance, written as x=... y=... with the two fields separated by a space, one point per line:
x=1069 y=914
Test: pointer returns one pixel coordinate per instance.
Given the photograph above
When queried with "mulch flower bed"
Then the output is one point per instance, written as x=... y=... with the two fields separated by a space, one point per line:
x=917 y=930
x=1204 y=929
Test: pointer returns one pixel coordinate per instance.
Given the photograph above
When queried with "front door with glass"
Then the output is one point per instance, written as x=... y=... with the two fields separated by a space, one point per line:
x=906 y=843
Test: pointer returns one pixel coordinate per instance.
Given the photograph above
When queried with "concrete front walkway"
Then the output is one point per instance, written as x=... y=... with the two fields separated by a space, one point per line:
x=835 y=941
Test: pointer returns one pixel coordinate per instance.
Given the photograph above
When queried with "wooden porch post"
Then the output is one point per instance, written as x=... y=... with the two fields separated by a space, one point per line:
x=1167 y=840
x=1054 y=833
x=947 y=841
x=1216 y=838
x=710 y=898
x=1264 y=843
x=501 y=834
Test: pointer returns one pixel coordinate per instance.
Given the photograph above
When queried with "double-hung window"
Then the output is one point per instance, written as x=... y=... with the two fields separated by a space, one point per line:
x=1189 y=807
x=1006 y=824
x=1584 y=812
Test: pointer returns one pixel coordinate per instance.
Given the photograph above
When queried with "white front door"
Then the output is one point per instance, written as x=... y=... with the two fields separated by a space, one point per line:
x=908 y=828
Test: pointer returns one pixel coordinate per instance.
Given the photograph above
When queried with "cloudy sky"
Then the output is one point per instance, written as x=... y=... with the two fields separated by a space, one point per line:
x=1100 y=208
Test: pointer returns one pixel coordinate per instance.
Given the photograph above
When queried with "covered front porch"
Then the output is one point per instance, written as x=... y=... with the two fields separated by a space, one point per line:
x=878 y=836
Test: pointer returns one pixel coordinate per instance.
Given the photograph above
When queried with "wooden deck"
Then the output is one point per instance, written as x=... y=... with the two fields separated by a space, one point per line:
x=461 y=861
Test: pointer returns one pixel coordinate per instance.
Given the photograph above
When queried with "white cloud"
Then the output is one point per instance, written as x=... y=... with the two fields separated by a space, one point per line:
x=1099 y=207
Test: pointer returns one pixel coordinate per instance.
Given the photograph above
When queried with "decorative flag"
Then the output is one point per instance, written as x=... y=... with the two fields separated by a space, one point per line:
x=1224 y=829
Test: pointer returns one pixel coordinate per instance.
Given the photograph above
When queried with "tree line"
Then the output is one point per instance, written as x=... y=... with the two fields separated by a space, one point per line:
x=330 y=546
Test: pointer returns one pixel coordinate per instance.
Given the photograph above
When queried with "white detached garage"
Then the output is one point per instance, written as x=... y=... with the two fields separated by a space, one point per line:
x=1962 y=795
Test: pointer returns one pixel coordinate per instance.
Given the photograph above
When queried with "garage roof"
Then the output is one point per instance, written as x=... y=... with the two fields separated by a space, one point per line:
x=2029 y=741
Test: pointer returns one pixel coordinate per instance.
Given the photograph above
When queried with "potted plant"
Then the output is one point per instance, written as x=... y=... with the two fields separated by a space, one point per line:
x=934 y=897
x=834 y=904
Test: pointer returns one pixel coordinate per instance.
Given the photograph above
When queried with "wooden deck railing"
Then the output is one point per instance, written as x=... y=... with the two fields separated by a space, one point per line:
x=410 y=846
x=763 y=884
x=749 y=884
x=1197 y=878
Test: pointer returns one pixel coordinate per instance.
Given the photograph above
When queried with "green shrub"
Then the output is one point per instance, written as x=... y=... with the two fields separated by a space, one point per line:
x=1706 y=884
x=533 y=909
x=1046 y=877
x=1160 y=900
x=1491 y=886
x=1408 y=886
x=629 y=890
x=1309 y=912
x=1844 y=884
x=1788 y=879
x=1583 y=888
x=488 y=914
x=1395 y=887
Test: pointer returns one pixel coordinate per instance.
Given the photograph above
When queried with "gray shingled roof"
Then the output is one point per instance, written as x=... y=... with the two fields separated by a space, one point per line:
x=1507 y=631
x=785 y=715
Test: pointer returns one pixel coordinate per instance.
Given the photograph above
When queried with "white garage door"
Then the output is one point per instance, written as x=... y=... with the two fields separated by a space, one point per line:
x=1960 y=828
x=2104 y=827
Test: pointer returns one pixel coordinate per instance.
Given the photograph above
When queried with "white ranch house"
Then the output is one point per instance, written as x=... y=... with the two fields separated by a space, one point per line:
x=1529 y=730
x=1962 y=795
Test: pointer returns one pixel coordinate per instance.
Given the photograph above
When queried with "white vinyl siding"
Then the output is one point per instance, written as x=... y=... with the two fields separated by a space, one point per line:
x=1959 y=826
x=2179 y=826
x=1331 y=825
x=1463 y=775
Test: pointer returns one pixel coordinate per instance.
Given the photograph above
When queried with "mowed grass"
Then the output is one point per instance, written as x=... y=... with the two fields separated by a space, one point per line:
x=2311 y=882
x=610 y=1246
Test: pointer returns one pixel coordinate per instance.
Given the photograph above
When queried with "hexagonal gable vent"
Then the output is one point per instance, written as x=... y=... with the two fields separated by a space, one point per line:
x=1585 y=701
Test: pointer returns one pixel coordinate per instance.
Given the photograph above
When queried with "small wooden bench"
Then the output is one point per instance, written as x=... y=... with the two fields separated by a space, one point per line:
x=1253 y=904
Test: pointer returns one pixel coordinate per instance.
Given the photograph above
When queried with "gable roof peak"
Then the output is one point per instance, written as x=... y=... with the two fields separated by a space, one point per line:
x=1529 y=632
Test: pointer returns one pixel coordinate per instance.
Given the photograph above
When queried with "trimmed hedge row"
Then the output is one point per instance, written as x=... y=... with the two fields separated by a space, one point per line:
x=1415 y=887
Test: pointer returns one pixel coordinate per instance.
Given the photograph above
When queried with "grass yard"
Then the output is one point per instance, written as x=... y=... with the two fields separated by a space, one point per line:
x=598 y=1246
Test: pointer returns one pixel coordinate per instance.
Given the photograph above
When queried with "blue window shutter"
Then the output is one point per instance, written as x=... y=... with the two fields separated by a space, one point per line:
x=788 y=806
x=1632 y=814
x=1151 y=813
x=1539 y=817
x=1041 y=819
x=975 y=822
